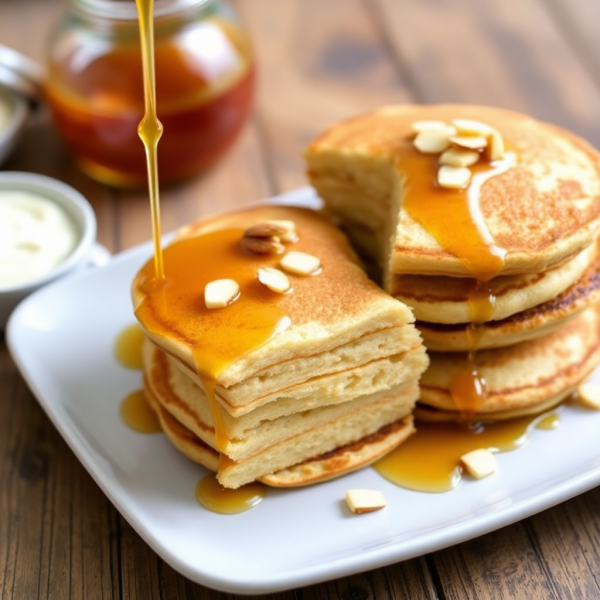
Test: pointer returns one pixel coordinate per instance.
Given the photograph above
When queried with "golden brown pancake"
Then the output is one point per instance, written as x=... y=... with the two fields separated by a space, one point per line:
x=445 y=300
x=324 y=467
x=525 y=376
x=543 y=211
x=527 y=325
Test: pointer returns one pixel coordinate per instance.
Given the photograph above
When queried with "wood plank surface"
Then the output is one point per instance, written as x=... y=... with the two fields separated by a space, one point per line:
x=319 y=61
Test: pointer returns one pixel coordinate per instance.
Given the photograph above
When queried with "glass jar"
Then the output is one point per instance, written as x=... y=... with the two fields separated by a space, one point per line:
x=204 y=86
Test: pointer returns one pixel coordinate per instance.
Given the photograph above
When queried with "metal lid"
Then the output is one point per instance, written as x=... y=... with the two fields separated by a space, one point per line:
x=21 y=74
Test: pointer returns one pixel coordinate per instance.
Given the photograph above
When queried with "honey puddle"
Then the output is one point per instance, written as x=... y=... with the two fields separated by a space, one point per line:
x=128 y=347
x=429 y=461
x=138 y=415
x=213 y=496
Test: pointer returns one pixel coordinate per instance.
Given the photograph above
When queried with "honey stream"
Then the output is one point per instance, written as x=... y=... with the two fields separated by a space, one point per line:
x=454 y=218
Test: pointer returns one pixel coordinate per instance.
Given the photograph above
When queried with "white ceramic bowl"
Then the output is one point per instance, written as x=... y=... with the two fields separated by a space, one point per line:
x=85 y=253
x=10 y=131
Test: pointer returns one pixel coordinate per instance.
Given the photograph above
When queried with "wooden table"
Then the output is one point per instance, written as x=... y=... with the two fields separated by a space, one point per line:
x=319 y=61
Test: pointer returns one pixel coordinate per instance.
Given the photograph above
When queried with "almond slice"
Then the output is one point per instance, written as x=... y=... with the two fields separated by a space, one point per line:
x=300 y=263
x=454 y=157
x=479 y=463
x=496 y=146
x=265 y=229
x=432 y=141
x=273 y=279
x=262 y=245
x=419 y=126
x=455 y=178
x=221 y=293
x=589 y=395
x=288 y=230
x=363 y=501
x=470 y=127
x=476 y=142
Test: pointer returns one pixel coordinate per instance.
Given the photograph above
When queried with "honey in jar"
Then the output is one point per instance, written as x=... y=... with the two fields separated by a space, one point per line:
x=204 y=86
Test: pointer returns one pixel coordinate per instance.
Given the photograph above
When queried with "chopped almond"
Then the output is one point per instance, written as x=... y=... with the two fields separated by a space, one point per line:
x=221 y=293
x=589 y=395
x=432 y=141
x=454 y=157
x=300 y=263
x=362 y=501
x=273 y=279
x=479 y=463
x=454 y=177
x=470 y=127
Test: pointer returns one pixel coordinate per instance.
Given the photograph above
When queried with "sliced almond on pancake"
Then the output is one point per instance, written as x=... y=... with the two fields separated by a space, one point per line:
x=476 y=142
x=221 y=293
x=432 y=141
x=274 y=279
x=262 y=245
x=363 y=501
x=287 y=232
x=300 y=263
x=455 y=178
x=454 y=157
x=470 y=127
x=479 y=463
x=496 y=146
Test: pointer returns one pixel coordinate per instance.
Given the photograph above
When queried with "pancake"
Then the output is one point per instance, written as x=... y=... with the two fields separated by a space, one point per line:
x=328 y=314
x=327 y=430
x=522 y=376
x=446 y=299
x=251 y=433
x=527 y=325
x=334 y=463
x=543 y=211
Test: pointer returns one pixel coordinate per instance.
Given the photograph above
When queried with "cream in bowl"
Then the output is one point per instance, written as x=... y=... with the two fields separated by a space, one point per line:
x=47 y=229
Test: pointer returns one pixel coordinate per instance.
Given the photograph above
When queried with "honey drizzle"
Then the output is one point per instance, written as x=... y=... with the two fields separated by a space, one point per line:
x=138 y=415
x=429 y=461
x=213 y=496
x=128 y=347
x=150 y=128
x=454 y=219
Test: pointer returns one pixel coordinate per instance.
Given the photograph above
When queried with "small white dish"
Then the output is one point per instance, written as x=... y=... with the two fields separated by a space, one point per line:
x=62 y=339
x=86 y=252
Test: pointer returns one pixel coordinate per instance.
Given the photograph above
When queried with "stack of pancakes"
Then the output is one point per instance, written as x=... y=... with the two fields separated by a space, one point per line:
x=327 y=386
x=540 y=334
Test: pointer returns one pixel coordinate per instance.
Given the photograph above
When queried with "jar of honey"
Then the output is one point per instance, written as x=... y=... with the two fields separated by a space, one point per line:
x=204 y=86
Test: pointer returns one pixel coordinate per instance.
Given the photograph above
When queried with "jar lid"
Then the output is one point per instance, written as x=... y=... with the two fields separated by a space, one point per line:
x=21 y=74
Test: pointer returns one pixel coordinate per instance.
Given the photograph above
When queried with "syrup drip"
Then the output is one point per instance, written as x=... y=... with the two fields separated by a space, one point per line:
x=455 y=220
x=175 y=307
x=138 y=415
x=128 y=347
x=213 y=496
x=429 y=461
x=150 y=129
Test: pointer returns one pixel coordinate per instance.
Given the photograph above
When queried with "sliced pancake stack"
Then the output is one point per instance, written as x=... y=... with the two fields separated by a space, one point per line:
x=488 y=231
x=287 y=384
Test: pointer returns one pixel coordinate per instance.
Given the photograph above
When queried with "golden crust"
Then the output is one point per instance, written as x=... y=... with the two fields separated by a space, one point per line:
x=542 y=211
x=523 y=375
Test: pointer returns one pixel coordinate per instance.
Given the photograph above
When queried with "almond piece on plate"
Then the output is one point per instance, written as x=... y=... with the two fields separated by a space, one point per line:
x=471 y=127
x=363 y=501
x=455 y=178
x=221 y=293
x=496 y=146
x=479 y=463
x=475 y=142
x=273 y=279
x=589 y=395
x=454 y=157
x=432 y=141
x=300 y=263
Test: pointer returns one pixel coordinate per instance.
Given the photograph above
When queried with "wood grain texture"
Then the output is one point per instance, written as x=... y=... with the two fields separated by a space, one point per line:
x=318 y=61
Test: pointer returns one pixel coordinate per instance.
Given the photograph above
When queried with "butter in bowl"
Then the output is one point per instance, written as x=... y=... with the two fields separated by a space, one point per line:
x=47 y=230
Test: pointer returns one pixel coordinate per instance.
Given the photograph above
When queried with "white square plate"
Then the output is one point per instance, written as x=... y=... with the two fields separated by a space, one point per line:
x=62 y=339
